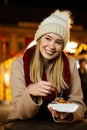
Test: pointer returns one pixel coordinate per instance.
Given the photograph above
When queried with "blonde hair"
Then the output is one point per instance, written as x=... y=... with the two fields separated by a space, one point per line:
x=54 y=71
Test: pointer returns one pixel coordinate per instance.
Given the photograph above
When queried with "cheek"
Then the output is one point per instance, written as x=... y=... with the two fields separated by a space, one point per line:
x=59 y=48
x=41 y=44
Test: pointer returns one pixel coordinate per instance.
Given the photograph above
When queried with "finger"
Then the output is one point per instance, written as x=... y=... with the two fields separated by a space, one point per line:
x=48 y=88
x=54 y=113
x=63 y=115
x=45 y=92
x=46 y=83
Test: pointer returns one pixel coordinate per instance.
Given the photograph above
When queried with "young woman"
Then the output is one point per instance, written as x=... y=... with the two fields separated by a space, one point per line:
x=44 y=72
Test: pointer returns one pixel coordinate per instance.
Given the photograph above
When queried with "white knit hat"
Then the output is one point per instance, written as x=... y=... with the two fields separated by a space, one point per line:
x=59 y=23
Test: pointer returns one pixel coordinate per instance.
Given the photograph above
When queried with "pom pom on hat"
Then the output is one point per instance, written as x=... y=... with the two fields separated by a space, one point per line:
x=64 y=15
x=59 y=23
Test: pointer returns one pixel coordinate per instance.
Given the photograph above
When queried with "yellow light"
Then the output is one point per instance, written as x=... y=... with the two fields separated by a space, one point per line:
x=6 y=79
x=72 y=50
x=71 y=47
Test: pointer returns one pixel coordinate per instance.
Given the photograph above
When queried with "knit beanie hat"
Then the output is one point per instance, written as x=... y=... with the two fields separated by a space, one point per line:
x=59 y=23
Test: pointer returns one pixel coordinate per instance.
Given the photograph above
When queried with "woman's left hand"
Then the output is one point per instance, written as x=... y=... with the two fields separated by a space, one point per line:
x=59 y=115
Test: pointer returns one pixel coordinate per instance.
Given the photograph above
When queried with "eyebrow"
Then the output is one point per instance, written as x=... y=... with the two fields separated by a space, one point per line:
x=57 y=39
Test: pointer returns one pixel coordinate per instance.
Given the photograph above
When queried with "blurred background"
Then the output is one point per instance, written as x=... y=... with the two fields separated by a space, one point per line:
x=19 y=20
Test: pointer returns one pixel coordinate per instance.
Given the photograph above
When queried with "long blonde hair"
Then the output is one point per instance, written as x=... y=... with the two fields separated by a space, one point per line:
x=54 y=70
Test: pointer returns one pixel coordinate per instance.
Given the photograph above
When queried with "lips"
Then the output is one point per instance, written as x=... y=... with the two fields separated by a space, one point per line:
x=49 y=52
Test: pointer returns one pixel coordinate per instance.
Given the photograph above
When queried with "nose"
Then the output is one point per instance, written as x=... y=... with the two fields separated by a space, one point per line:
x=52 y=45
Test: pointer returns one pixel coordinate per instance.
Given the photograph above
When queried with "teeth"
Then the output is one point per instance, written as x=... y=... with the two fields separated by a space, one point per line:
x=50 y=52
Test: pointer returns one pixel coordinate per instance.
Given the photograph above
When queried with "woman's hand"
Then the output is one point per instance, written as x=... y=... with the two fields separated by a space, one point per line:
x=42 y=88
x=59 y=115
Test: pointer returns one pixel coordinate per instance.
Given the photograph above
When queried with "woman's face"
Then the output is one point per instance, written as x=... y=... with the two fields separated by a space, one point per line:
x=51 y=45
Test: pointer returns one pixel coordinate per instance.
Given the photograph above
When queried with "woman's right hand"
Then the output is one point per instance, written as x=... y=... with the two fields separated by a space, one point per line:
x=42 y=88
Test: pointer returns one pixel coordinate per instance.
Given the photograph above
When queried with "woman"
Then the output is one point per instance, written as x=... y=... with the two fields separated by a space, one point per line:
x=44 y=71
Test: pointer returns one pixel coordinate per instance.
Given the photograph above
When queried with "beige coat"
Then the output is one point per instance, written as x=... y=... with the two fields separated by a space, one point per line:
x=23 y=105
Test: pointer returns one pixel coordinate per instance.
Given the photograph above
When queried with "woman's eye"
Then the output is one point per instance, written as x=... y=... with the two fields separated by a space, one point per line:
x=59 y=42
x=47 y=38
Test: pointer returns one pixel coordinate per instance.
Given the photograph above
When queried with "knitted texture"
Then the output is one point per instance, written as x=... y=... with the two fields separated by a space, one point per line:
x=59 y=23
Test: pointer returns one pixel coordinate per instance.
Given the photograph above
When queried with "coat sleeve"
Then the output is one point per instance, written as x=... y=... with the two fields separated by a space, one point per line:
x=76 y=95
x=23 y=105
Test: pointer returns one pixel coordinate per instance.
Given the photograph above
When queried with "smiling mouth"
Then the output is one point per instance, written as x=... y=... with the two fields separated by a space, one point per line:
x=49 y=52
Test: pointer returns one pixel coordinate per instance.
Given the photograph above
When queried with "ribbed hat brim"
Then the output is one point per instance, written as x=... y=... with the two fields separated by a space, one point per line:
x=53 y=28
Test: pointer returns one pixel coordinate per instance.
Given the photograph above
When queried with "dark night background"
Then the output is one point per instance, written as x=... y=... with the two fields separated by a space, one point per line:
x=12 y=11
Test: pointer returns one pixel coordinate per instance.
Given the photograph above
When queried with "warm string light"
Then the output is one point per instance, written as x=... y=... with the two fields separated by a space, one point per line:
x=82 y=47
x=71 y=47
